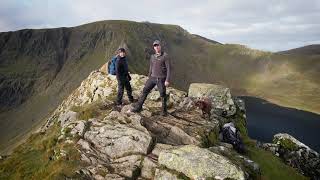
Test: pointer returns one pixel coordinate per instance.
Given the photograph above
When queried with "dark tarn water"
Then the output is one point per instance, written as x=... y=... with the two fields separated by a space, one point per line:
x=265 y=119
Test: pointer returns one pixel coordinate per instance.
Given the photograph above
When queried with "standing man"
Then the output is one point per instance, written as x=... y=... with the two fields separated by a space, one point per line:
x=159 y=74
x=123 y=76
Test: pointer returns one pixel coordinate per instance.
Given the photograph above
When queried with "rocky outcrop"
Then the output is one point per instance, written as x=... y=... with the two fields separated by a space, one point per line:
x=198 y=163
x=119 y=144
x=219 y=96
x=295 y=154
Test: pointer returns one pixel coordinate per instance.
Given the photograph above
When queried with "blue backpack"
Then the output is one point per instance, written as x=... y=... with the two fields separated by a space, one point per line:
x=112 y=66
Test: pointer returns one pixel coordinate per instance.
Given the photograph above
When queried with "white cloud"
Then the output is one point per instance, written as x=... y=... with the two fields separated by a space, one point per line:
x=264 y=24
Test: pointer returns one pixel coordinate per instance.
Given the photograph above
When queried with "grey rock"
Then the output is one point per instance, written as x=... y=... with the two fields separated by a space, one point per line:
x=274 y=148
x=199 y=163
x=295 y=154
x=154 y=95
x=187 y=104
x=181 y=128
x=84 y=173
x=118 y=140
x=178 y=136
x=127 y=166
x=277 y=138
x=175 y=96
x=67 y=117
x=219 y=96
x=84 y=144
x=114 y=177
x=146 y=113
x=162 y=174
x=79 y=128
x=162 y=147
x=253 y=166
x=148 y=168
x=240 y=103
x=85 y=159
x=126 y=109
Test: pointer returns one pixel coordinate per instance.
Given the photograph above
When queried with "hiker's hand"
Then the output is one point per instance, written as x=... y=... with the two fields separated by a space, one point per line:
x=166 y=83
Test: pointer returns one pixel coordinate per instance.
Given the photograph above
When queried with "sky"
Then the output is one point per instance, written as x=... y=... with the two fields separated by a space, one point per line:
x=271 y=25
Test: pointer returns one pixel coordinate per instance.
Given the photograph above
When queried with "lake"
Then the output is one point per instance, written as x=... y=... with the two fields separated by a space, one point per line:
x=265 y=119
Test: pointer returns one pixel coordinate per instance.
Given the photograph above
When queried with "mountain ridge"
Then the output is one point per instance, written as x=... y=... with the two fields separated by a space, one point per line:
x=88 y=137
x=312 y=49
x=50 y=63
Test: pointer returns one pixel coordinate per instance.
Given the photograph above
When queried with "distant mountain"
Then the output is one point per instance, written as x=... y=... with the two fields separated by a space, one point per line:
x=305 y=50
x=206 y=39
x=39 y=68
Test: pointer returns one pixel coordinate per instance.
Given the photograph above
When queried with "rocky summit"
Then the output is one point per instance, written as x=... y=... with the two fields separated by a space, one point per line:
x=114 y=143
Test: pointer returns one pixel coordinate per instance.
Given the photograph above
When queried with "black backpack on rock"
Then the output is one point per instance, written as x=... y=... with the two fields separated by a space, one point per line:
x=232 y=136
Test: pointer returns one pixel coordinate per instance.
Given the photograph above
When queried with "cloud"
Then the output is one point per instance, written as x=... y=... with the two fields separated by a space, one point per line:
x=272 y=25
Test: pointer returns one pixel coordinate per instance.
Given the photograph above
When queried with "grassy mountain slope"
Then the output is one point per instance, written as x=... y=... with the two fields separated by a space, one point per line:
x=305 y=50
x=39 y=68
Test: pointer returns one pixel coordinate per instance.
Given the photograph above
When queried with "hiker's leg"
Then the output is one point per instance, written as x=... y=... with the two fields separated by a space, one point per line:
x=127 y=85
x=120 y=91
x=146 y=90
x=161 y=87
x=162 y=90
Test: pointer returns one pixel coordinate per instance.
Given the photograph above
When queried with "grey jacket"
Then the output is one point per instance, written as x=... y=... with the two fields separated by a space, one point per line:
x=160 y=66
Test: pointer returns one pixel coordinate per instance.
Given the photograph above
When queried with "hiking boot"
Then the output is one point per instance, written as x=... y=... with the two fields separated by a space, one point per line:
x=164 y=111
x=136 y=108
x=118 y=103
x=132 y=100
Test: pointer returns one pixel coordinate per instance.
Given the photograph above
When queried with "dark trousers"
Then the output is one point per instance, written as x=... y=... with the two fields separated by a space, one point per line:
x=123 y=82
x=150 y=84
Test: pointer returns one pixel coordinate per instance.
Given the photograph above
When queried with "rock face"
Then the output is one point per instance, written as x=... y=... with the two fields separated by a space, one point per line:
x=295 y=154
x=198 y=163
x=118 y=144
x=219 y=96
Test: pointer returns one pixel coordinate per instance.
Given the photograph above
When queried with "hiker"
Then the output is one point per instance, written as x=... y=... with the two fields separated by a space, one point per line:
x=159 y=74
x=123 y=77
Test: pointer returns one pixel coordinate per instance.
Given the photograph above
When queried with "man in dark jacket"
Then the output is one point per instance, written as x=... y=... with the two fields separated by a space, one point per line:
x=159 y=74
x=123 y=76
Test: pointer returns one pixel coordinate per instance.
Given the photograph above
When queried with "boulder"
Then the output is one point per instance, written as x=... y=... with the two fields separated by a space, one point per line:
x=163 y=174
x=252 y=169
x=79 y=128
x=181 y=128
x=118 y=140
x=199 y=163
x=295 y=154
x=219 y=96
x=67 y=117
x=150 y=162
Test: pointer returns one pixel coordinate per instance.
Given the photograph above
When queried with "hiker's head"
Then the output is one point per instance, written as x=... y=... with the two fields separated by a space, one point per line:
x=122 y=52
x=157 y=46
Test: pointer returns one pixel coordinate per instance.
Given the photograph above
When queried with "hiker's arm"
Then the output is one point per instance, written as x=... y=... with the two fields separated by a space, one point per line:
x=117 y=69
x=126 y=68
x=150 y=67
x=128 y=73
x=168 y=66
